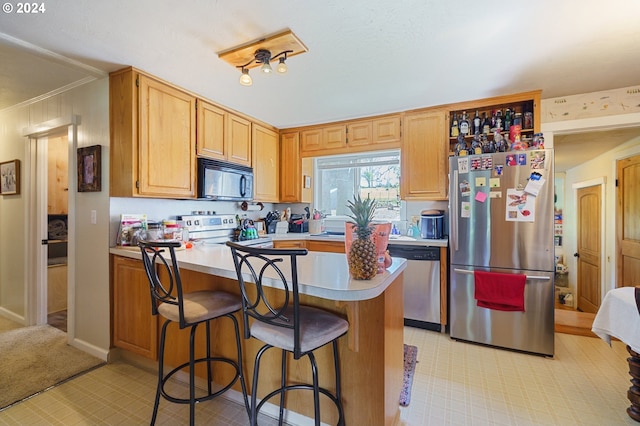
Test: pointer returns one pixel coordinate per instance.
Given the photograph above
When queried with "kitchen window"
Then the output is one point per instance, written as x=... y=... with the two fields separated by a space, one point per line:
x=374 y=174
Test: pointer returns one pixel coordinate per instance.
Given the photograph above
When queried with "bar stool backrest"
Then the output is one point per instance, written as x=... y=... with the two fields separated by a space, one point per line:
x=154 y=261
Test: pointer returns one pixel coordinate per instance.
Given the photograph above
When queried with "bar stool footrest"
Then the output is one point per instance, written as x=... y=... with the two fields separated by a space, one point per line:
x=202 y=398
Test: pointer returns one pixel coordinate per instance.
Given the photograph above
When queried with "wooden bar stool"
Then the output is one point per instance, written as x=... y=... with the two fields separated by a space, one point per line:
x=188 y=310
x=287 y=325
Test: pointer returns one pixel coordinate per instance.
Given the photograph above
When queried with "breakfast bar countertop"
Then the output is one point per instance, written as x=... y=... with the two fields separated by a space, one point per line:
x=320 y=274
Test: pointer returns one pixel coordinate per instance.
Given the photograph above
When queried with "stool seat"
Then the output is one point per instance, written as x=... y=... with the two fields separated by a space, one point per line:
x=317 y=328
x=201 y=306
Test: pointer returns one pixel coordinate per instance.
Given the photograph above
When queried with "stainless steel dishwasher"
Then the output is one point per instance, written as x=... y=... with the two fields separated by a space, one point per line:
x=421 y=284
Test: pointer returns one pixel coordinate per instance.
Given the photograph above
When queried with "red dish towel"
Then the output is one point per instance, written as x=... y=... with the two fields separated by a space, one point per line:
x=502 y=292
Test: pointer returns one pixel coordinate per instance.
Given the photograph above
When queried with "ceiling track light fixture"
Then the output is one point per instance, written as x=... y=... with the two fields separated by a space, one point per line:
x=263 y=56
x=258 y=54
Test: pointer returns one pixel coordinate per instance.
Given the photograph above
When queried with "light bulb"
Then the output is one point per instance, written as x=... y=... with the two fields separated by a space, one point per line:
x=245 y=78
x=282 y=67
x=266 y=68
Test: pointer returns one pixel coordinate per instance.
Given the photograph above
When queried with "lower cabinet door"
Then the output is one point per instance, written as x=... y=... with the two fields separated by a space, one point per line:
x=135 y=329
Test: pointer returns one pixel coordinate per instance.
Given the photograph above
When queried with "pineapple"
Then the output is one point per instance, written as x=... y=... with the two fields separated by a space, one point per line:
x=363 y=264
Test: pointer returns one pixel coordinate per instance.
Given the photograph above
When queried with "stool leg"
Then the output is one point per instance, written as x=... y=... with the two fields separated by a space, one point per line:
x=163 y=333
x=209 y=375
x=336 y=364
x=192 y=379
x=316 y=388
x=283 y=383
x=240 y=369
x=254 y=387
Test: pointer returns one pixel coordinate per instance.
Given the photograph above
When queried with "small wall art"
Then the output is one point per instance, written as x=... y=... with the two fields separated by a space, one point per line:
x=89 y=169
x=10 y=175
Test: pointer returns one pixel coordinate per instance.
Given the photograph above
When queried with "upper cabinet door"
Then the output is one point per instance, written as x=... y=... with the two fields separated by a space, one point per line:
x=167 y=140
x=239 y=140
x=359 y=133
x=424 y=156
x=386 y=130
x=266 y=164
x=290 y=168
x=211 y=131
x=334 y=136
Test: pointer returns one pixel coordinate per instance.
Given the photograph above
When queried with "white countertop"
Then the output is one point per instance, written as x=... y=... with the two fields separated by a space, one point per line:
x=324 y=275
x=326 y=237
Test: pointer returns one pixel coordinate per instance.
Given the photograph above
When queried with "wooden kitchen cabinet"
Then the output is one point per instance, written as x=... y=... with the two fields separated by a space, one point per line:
x=290 y=244
x=326 y=246
x=210 y=135
x=380 y=133
x=153 y=138
x=291 y=168
x=324 y=138
x=134 y=327
x=222 y=135
x=517 y=103
x=239 y=134
x=424 y=156
x=294 y=170
x=266 y=167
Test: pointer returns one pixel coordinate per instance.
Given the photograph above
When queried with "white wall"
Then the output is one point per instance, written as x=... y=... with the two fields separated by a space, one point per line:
x=90 y=102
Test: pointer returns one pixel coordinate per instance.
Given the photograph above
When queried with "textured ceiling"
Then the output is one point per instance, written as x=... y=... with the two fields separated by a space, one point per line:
x=365 y=56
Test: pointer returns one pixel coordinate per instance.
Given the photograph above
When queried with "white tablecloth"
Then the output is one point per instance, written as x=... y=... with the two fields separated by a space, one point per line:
x=618 y=317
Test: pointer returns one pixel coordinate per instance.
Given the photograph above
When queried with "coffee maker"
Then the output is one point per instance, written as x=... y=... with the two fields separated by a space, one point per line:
x=432 y=224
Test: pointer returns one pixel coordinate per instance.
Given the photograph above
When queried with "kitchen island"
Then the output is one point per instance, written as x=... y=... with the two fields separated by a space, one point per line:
x=371 y=353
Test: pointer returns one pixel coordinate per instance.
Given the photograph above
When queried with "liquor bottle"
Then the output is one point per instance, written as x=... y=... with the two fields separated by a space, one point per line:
x=486 y=124
x=507 y=120
x=464 y=124
x=477 y=124
x=498 y=124
x=454 y=126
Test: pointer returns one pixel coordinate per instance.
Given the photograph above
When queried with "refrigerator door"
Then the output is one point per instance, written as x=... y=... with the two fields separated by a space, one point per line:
x=493 y=223
x=529 y=331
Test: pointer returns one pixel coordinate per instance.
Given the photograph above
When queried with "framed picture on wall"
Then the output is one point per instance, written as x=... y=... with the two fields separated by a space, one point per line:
x=10 y=177
x=89 y=172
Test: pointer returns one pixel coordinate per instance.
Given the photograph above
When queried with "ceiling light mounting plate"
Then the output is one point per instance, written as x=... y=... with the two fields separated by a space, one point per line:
x=247 y=54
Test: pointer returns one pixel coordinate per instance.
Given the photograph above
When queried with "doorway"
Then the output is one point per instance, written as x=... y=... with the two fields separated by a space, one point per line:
x=50 y=187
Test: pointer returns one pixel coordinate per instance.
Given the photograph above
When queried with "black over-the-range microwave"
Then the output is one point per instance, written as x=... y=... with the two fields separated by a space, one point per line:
x=218 y=180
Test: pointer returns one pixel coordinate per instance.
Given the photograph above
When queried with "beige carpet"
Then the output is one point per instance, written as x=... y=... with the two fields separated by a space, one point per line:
x=33 y=359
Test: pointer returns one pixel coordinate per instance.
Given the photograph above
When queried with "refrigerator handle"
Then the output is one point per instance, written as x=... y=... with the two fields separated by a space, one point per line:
x=529 y=277
x=454 y=217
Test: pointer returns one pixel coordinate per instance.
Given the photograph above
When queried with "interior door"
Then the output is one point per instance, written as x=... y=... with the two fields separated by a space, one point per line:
x=589 y=248
x=628 y=222
x=57 y=224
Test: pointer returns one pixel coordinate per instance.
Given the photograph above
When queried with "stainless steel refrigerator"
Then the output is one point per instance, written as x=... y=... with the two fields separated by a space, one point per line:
x=501 y=212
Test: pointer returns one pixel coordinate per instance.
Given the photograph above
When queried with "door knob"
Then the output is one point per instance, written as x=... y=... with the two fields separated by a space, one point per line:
x=576 y=255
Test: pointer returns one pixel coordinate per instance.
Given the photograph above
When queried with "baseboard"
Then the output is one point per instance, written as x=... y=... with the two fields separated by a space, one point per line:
x=90 y=349
x=12 y=316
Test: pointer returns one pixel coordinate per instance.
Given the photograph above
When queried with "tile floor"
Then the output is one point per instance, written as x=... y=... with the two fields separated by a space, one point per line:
x=455 y=384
